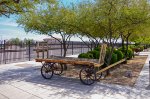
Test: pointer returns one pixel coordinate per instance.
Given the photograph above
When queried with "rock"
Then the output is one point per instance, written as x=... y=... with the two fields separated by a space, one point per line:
x=128 y=74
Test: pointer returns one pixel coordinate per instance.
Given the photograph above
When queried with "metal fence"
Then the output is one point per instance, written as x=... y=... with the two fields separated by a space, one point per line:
x=10 y=53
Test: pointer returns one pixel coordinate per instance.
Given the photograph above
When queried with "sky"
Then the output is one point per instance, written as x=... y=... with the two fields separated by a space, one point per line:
x=10 y=29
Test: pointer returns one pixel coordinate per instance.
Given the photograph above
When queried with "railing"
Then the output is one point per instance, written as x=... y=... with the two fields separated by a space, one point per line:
x=10 y=53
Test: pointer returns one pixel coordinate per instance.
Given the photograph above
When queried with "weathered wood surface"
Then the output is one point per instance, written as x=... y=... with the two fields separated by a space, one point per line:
x=102 y=53
x=70 y=60
x=41 y=48
x=74 y=61
x=110 y=66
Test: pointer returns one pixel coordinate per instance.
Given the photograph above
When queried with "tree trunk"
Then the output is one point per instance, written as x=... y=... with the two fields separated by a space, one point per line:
x=127 y=43
x=109 y=58
x=64 y=54
x=122 y=44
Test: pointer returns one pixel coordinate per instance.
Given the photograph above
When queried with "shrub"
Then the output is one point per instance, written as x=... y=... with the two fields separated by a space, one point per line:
x=97 y=49
x=86 y=55
x=131 y=46
x=136 y=50
x=141 y=48
x=82 y=55
x=130 y=52
x=114 y=58
x=90 y=56
x=121 y=49
x=97 y=55
x=94 y=53
x=119 y=54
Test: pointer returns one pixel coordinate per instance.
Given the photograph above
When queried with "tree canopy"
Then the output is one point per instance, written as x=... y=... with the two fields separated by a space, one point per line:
x=8 y=7
x=106 y=20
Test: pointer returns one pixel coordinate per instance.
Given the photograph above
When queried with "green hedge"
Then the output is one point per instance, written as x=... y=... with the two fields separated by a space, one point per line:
x=97 y=49
x=86 y=55
x=130 y=52
x=95 y=54
x=114 y=58
x=119 y=54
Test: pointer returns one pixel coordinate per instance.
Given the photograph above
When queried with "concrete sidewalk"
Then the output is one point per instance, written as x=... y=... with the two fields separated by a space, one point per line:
x=23 y=81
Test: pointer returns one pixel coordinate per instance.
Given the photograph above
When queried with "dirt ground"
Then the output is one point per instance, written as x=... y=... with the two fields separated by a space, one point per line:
x=118 y=75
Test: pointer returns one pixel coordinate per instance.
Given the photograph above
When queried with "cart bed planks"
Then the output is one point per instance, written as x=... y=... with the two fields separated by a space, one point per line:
x=70 y=60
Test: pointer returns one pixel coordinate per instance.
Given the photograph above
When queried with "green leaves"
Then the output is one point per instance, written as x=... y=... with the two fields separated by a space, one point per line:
x=8 y=7
x=104 y=19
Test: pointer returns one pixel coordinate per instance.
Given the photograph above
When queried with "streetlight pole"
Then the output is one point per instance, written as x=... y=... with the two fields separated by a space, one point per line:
x=148 y=87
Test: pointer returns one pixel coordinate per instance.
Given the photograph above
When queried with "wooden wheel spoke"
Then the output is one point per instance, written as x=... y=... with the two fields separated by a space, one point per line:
x=87 y=76
x=58 y=68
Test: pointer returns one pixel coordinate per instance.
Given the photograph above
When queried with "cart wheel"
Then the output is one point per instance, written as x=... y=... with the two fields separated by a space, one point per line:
x=87 y=76
x=58 y=68
x=98 y=76
x=47 y=71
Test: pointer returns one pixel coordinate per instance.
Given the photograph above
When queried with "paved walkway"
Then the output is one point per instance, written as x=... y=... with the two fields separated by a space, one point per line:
x=24 y=81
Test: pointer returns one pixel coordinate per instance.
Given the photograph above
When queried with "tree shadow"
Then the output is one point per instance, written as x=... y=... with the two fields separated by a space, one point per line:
x=71 y=85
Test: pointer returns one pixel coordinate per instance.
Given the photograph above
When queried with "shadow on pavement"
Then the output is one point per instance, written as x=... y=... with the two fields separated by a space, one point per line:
x=32 y=75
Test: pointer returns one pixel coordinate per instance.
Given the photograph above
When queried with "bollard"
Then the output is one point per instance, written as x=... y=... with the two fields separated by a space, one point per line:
x=148 y=87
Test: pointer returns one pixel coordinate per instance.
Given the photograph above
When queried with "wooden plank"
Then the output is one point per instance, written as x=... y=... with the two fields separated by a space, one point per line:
x=97 y=65
x=110 y=66
x=73 y=61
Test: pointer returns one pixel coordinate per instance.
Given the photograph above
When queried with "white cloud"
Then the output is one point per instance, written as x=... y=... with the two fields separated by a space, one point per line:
x=9 y=24
x=8 y=34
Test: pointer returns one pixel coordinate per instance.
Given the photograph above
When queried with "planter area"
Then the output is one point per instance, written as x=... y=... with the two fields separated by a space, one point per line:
x=122 y=74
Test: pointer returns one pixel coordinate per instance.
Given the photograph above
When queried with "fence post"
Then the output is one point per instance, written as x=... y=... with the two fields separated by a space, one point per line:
x=4 y=52
x=72 y=48
x=61 y=48
x=88 y=46
x=81 y=47
x=29 y=51
x=91 y=46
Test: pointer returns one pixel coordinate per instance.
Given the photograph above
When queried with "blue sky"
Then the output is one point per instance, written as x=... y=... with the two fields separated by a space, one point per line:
x=10 y=29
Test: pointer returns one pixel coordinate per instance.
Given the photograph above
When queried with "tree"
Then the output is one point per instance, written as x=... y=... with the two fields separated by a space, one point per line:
x=112 y=19
x=52 y=19
x=134 y=18
x=105 y=15
x=85 y=26
x=8 y=7
x=14 y=41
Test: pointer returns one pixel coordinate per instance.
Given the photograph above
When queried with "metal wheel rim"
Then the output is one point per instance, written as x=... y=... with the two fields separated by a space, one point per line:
x=47 y=71
x=87 y=76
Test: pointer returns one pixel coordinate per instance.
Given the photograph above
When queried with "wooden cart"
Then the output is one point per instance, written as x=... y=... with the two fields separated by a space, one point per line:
x=90 y=72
